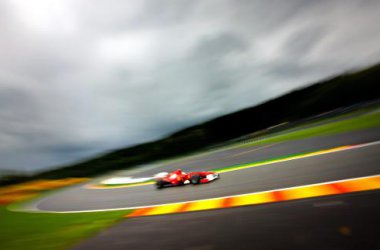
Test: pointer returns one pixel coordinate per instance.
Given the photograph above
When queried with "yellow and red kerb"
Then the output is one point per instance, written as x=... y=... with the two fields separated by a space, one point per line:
x=287 y=194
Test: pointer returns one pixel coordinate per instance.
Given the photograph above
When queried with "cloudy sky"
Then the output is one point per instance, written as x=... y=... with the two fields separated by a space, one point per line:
x=82 y=77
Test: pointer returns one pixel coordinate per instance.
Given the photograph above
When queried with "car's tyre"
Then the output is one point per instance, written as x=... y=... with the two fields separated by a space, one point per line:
x=160 y=184
x=195 y=179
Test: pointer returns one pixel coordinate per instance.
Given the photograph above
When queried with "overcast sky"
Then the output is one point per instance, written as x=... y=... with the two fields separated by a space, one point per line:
x=82 y=77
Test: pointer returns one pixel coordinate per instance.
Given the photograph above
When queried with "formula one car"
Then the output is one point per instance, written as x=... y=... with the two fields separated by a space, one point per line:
x=178 y=177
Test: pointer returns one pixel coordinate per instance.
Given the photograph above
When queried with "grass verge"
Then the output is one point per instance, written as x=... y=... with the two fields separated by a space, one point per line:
x=40 y=231
x=364 y=121
x=277 y=159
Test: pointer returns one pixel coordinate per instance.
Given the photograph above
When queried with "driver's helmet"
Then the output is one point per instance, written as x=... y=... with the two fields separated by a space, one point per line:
x=178 y=171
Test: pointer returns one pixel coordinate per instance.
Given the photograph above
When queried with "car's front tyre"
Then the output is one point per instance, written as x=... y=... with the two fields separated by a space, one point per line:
x=195 y=179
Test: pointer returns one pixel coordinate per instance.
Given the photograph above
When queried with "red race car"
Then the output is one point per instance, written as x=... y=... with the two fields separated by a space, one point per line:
x=178 y=177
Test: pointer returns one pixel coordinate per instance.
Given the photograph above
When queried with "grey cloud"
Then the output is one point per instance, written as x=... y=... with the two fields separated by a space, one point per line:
x=216 y=46
x=303 y=41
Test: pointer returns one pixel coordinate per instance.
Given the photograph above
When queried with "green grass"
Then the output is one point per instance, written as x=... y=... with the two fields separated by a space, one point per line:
x=258 y=162
x=363 y=118
x=125 y=185
x=364 y=121
x=37 y=231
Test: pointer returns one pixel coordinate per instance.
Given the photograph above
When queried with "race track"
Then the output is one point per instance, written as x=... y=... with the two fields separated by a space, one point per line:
x=356 y=162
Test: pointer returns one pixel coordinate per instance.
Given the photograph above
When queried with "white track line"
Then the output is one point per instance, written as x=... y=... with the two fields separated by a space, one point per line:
x=221 y=197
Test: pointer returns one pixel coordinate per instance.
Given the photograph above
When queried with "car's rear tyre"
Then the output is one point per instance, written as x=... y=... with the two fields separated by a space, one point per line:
x=195 y=179
x=160 y=184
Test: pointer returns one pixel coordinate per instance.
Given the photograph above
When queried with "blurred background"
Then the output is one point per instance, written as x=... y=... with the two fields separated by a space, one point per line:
x=96 y=97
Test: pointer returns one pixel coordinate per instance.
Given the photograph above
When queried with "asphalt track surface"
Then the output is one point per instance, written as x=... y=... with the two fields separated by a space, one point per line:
x=349 y=221
x=337 y=222
x=329 y=167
